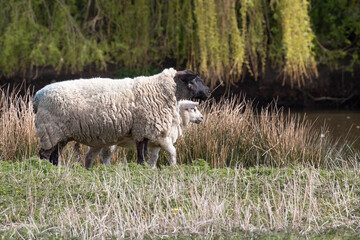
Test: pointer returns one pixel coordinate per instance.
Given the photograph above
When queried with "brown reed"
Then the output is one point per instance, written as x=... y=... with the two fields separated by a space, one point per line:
x=233 y=133
x=18 y=139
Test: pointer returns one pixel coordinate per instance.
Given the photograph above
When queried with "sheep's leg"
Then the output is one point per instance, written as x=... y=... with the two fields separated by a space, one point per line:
x=77 y=150
x=90 y=157
x=141 y=148
x=154 y=155
x=56 y=153
x=45 y=154
x=106 y=154
x=145 y=148
x=168 y=146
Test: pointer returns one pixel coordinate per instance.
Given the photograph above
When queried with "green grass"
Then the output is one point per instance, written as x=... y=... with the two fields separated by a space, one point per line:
x=38 y=200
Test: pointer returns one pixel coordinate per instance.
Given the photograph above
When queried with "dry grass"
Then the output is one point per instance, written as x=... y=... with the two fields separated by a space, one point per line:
x=133 y=202
x=233 y=133
x=18 y=139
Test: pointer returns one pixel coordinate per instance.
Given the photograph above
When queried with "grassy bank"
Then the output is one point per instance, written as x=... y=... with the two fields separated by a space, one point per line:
x=130 y=201
x=266 y=174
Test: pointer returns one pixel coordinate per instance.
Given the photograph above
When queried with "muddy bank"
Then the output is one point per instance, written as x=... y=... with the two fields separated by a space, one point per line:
x=337 y=89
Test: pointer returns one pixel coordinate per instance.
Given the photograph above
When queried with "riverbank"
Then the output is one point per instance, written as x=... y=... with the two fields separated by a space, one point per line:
x=333 y=89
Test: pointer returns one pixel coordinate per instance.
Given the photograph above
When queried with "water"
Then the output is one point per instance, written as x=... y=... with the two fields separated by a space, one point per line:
x=340 y=124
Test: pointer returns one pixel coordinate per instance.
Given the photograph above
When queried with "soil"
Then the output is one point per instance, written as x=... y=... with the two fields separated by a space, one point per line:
x=335 y=89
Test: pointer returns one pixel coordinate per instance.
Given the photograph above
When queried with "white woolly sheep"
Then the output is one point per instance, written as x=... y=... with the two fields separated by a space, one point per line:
x=188 y=112
x=101 y=112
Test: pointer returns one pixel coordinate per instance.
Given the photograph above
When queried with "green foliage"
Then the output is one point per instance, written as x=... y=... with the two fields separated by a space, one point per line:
x=336 y=24
x=126 y=72
x=45 y=33
x=297 y=38
x=178 y=40
x=254 y=31
x=219 y=39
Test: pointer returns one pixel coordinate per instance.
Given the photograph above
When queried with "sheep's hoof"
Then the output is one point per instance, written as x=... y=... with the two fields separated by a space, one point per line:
x=141 y=162
x=44 y=154
x=54 y=158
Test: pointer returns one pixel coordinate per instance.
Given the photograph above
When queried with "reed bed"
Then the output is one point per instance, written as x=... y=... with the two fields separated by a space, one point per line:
x=18 y=139
x=233 y=133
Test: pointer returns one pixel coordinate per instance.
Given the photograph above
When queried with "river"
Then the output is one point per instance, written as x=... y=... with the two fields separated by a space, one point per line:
x=340 y=123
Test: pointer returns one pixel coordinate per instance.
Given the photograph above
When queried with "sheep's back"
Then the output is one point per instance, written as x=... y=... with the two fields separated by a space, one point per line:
x=93 y=112
x=155 y=107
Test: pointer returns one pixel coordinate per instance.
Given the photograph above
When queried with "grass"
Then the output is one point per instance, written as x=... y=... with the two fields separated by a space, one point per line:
x=131 y=201
x=266 y=175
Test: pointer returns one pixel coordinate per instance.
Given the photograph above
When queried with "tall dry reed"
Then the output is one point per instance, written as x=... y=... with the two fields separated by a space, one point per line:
x=17 y=129
x=232 y=133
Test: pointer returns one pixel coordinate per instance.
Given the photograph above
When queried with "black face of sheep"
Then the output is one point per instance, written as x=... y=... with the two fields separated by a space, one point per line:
x=189 y=85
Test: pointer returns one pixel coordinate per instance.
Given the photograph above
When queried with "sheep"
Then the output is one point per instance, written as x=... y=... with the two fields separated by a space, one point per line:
x=101 y=112
x=188 y=112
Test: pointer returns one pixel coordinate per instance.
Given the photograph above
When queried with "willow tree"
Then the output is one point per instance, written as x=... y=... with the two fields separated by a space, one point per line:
x=233 y=34
x=254 y=28
x=221 y=39
x=178 y=37
x=44 y=33
x=297 y=40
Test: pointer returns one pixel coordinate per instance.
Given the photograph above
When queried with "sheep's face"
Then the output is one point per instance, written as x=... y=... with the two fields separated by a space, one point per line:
x=195 y=115
x=189 y=112
x=189 y=85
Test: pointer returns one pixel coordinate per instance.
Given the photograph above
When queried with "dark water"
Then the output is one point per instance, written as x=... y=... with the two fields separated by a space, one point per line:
x=340 y=123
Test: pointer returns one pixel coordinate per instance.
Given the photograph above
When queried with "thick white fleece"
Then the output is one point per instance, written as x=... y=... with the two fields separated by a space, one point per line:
x=102 y=112
x=178 y=124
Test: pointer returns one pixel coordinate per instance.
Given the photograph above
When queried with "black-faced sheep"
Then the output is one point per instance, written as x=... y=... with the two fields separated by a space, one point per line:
x=103 y=112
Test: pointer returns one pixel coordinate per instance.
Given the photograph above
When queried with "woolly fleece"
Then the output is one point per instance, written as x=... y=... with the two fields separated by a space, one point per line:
x=102 y=112
x=178 y=124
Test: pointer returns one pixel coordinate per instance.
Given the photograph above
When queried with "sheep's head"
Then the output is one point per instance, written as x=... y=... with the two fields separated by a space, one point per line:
x=189 y=85
x=189 y=112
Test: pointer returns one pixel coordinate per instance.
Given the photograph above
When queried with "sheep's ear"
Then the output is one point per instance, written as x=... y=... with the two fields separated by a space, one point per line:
x=186 y=76
x=193 y=104
x=190 y=105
